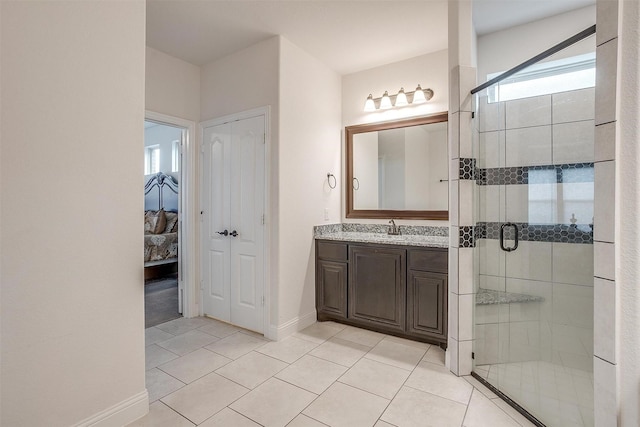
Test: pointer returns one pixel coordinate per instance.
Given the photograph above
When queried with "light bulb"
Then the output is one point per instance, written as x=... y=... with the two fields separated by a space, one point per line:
x=369 y=105
x=385 y=102
x=418 y=96
x=401 y=98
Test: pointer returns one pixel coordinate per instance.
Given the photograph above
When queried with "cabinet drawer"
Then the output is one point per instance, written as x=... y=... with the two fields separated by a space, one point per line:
x=429 y=260
x=332 y=251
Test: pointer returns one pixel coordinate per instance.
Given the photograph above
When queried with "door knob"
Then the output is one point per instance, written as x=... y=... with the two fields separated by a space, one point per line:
x=234 y=233
x=224 y=233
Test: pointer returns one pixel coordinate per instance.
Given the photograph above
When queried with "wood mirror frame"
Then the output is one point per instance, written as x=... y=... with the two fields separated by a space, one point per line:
x=386 y=213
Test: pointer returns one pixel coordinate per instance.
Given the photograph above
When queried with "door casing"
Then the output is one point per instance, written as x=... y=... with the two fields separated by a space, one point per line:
x=265 y=112
x=188 y=246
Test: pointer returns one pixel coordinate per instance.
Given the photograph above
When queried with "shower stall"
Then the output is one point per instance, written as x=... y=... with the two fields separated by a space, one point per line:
x=533 y=211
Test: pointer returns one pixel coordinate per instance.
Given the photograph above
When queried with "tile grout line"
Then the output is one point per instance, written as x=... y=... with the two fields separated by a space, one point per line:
x=173 y=410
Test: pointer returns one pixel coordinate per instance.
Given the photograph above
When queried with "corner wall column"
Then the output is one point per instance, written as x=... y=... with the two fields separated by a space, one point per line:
x=462 y=78
x=616 y=362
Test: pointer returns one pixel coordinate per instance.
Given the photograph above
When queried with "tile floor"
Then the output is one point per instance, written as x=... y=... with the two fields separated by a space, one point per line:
x=559 y=395
x=207 y=373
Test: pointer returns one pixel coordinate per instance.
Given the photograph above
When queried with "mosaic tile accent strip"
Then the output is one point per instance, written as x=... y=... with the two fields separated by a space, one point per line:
x=467 y=236
x=467 y=169
x=556 y=233
x=547 y=174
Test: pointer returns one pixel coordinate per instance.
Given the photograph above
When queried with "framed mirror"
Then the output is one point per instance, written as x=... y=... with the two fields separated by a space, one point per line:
x=398 y=169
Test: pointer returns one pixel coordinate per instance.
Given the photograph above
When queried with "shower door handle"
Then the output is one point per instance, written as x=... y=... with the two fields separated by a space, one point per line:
x=515 y=231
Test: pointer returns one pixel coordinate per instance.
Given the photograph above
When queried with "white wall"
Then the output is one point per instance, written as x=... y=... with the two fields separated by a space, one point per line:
x=423 y=189
x=505 y=49
x=391 y=154
x=430 y=71
x=309 y=147
x=172 y=86
x=242 y=81
x=71 y=267
x=239 y=82
x=365 y=170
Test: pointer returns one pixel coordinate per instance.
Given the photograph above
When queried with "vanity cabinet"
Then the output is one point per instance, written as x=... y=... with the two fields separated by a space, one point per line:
x=398 y=290
x=377 y=278
x=331 y=280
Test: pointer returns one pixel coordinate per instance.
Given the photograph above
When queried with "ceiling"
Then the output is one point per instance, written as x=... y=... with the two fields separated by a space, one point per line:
x=348 y=36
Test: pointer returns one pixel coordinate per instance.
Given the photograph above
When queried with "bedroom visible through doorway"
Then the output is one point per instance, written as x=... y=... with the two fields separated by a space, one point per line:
x=163 y=146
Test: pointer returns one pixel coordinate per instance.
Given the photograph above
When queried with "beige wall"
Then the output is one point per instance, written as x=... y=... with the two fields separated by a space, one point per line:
x=172 y=86
x=71 y=268
x=309 y=148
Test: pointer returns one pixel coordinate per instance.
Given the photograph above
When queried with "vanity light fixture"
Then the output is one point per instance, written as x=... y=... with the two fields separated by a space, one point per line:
x=419 y=96
x=402 y=99
x=385 y=101
x=369 y=105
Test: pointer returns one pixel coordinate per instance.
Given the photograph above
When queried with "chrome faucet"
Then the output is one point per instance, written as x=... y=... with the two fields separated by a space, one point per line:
x=393 y=229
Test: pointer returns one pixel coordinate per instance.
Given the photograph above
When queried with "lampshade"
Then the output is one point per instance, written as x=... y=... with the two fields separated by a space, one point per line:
x=385 y=102
x=418 y=96
x=401 y=98
x=369 y=105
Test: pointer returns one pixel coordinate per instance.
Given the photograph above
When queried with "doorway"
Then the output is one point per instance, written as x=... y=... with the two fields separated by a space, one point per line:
x=233 y=219
x=166 y=230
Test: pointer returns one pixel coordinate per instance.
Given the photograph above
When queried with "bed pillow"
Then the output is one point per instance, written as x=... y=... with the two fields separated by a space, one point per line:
x=155 y=222
x=172 y=222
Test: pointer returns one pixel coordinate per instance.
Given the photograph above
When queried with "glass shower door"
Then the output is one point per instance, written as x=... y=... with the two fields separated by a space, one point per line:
x=533 y=317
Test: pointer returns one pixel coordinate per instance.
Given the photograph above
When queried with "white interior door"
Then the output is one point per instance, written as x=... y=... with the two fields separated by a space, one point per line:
x=247 y=207
x=234 y=201
x=216 y=218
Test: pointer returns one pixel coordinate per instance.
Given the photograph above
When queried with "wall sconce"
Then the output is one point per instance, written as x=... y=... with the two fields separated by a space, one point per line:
x=402 y=99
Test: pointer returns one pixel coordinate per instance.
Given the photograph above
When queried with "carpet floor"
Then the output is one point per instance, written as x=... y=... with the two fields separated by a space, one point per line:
x=161 y=300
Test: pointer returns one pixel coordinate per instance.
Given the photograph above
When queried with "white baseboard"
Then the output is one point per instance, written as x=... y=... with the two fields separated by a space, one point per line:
x=277 y=333
x=120 y=414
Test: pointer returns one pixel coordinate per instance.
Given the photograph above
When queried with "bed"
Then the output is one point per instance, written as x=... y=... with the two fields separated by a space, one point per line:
x=161 y=220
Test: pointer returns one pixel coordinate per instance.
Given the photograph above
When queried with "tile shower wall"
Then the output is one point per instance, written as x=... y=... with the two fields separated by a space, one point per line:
x=535 y=167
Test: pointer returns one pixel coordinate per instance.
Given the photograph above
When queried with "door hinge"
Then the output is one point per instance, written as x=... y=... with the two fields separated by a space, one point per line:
x=262 y=219
x=201 y=285
x=263 y=300
x=473 y=355
x=202 y=148
x=264 y=138
x=473 y=114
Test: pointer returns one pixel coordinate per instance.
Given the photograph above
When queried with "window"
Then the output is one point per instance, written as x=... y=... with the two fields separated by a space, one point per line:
x=577 y=72
x=152 y=159
x=175 y=156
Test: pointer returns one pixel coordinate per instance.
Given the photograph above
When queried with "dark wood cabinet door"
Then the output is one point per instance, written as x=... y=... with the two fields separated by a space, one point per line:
x=377 y=277
x=426 y=304
x=331 y=288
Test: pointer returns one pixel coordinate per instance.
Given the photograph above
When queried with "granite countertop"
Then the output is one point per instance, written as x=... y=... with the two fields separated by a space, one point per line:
x=403 y=239
x=411 y=235
x=489 y=296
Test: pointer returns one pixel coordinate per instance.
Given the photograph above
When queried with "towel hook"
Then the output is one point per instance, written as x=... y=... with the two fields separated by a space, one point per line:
x=335 y=181
x=355 y=181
